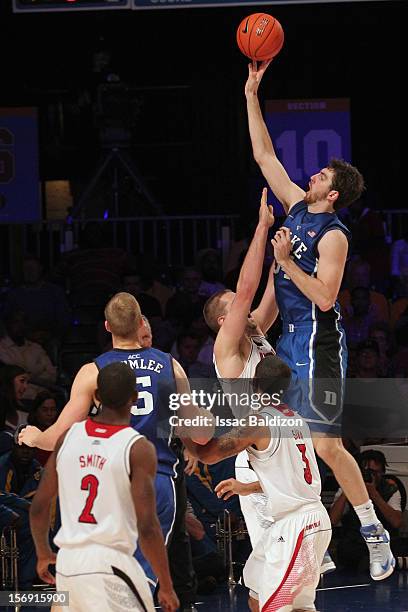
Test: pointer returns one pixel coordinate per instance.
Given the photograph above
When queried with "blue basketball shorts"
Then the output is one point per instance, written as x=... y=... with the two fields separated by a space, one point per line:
x=166 y=511
x=316 y=352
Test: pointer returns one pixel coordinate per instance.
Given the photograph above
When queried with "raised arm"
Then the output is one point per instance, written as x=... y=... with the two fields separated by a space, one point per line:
x=77 y=408
x=229 y=337
x=287 y=192
x=143 y=465
x=323 y=289
x=266 y=313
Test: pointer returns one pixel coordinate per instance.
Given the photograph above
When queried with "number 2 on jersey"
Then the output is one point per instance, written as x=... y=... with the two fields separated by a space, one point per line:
x=89 y=483
x=307 y=472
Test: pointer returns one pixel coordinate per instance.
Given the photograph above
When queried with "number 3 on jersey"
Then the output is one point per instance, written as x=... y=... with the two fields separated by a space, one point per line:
x=307 y=471
x=146 y=396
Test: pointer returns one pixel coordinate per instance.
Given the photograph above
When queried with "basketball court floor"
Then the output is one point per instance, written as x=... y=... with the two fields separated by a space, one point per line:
x=338 y=592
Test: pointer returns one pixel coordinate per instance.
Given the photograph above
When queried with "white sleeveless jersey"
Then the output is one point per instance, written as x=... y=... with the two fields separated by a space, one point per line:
x=242 y=385
x=94 y=487
x=287 y=469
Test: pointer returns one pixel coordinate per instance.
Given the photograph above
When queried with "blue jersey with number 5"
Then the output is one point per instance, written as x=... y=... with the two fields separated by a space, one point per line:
x=155 y=383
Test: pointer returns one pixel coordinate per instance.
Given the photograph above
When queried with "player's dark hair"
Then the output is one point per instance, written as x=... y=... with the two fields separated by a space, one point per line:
x=272 y=375
x=348 y=181
x=116 y=384
x=214 y=308
x=373 y=455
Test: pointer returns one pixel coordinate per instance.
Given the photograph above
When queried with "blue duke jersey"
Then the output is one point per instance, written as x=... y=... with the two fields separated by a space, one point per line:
x=312 y=342
x=154 y=382
x=306 y=231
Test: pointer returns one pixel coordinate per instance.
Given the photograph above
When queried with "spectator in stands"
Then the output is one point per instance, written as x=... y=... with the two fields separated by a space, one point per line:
x=381 y=333
x=209 y=265
x=20 y=475
x=207 y=561
x=362 y=315
x=186 y=300
x=13 y=385
x=372 y=407
x=45 y=307
x=206 y=337
x=188 y=348
x=358 y=275
x=399 y=263
x=385 y=492
x=368 y=363
x=200 y=490
x=144 y=279
x=17 y=350
x=43 y=414
x=369 y=240
x=400 y=306
x=93 y=271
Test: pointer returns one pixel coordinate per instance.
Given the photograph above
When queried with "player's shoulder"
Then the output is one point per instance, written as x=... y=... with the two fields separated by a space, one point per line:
x=296 y=208
x=142 y=453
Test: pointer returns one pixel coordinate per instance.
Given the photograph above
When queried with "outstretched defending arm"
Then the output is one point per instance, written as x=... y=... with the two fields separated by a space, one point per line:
x=231 y=443
x=266 y=313
x=229 y=337
x=75 y=410
x=287 y=192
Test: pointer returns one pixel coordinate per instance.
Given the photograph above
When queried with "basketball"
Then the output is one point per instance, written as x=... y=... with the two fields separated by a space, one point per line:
x=260 y=36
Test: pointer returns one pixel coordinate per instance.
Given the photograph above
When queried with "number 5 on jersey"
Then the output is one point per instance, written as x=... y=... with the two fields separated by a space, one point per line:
x=146 y=396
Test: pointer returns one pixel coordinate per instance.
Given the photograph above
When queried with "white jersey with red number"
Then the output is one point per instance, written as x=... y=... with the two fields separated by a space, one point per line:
x=241 y=386
x=94 y=487
x=287 y=469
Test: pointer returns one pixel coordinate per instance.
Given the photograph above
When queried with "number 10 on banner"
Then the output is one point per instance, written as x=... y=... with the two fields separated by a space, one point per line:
x=307 y=133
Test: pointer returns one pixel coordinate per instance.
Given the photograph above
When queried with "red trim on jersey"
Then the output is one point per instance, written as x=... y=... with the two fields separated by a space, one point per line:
x=265 y=608
x=102 y=430
x=284 y=409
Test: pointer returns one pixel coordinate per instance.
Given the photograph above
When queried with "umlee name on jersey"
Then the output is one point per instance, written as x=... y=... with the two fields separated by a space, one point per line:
x=138 y=363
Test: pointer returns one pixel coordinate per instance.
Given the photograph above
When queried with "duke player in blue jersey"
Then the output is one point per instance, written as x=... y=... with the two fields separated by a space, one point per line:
x=157 y=375
x=310 y=252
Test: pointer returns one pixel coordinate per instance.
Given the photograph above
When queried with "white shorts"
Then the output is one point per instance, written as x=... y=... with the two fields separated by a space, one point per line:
x=284 y=568
x=103 y=579
x=252 y=506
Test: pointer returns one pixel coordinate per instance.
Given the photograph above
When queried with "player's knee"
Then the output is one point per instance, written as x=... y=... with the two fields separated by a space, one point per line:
x=328 y=449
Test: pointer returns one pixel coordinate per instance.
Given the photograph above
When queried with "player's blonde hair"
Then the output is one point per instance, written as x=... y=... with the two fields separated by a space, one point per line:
x=123 y=315
x=214 y=308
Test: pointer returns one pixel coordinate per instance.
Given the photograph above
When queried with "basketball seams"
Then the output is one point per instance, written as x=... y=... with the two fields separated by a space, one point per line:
x=272 y=35
x=257 y=16
x=266 y=37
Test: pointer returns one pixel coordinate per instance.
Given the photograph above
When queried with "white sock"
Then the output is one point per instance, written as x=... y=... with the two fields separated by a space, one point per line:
x=366 y=514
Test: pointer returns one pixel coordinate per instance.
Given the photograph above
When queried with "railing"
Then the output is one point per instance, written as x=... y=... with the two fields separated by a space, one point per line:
x=172 y=240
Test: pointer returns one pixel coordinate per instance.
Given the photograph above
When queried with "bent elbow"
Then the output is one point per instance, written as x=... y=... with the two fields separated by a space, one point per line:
x=324 y=304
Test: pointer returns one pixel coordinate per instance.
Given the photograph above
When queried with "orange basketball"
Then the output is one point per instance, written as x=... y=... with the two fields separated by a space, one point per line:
x=260 y=36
